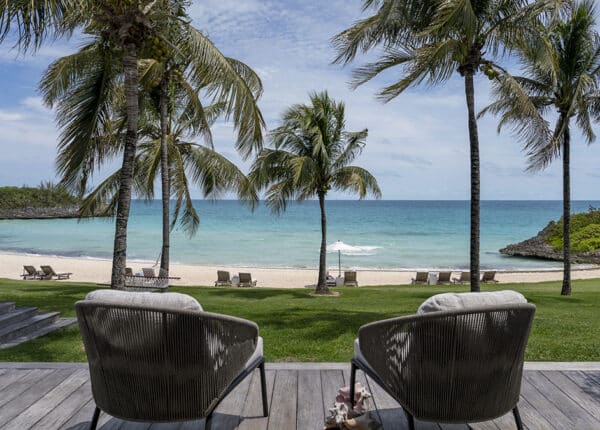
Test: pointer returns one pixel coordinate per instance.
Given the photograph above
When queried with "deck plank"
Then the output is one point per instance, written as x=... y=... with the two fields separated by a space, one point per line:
x=64 y=411
x=29 y=393
x=11 y=376
x=252 y=412
x=574 y=392
x=53 y=397
x=311 y=413
x=531 y=417
x=578 y=416
x=285 y=395
x=49 y=401
x=19 y=381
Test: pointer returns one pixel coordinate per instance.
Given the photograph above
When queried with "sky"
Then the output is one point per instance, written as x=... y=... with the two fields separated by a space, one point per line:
x=418 y=143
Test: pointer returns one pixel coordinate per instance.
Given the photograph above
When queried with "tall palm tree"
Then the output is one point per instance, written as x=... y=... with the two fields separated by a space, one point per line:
x=310 y=156
x=429 y=40
x=562 y=73
x=188 y=163
x=84 y=86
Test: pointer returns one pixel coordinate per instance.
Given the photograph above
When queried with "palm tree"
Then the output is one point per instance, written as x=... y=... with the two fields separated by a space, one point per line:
x=188 y=162
x=34 y=20
x=84 y=86
x=311 y=155
x=562 y=72
x=430 y=40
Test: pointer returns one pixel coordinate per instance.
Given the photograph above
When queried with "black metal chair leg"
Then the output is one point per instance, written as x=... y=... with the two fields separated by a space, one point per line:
x=95 y=418
x=263 y=388
x=208 y=422
x=518 y=418
x=411 y=420
x=352 y=382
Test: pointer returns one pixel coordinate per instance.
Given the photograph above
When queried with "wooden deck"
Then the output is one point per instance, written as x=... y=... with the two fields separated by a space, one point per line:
x=556 y=396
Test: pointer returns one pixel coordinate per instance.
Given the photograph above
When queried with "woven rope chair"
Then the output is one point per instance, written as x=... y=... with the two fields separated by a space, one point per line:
x=450 y=367
x=159 y=365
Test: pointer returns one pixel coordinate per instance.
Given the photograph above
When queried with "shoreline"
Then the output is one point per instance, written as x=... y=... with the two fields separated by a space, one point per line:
x=96 y=270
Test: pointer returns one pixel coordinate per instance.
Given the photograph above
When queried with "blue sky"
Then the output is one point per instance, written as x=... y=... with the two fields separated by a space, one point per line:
x=417 y=146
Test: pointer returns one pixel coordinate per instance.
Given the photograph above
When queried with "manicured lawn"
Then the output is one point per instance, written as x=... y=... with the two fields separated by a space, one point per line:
x=299 y=327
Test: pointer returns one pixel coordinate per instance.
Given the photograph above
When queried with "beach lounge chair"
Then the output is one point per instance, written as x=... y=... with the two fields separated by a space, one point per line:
x=128 y=271
x=30 y=272
x=477 y=379
x=49 y=273
x=420 y=278
x=223 y=278
x=160 y=358
x=464 y=278
x=350 y=279
x=246 y=280
x=488 y=277
x=444 y=277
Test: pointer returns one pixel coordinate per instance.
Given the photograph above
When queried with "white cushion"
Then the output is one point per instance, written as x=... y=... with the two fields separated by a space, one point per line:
x=459 y=301
x=174 y=301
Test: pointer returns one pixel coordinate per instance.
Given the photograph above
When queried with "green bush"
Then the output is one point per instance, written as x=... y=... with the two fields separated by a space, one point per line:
x=45 y=196
x=585 y=232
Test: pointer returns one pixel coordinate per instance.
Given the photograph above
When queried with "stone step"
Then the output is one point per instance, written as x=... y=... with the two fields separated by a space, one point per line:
x=40 y=331
x=22 y=328
x=6 y=307
x=19 y=314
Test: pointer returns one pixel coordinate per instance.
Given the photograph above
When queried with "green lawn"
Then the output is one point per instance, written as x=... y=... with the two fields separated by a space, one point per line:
x=299 y=327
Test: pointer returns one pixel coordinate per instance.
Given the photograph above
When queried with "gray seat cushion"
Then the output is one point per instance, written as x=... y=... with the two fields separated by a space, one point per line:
x=460 y=301
x=174 y=301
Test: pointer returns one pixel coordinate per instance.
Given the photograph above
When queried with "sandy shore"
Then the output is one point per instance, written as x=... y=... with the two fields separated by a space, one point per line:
x=98 y=271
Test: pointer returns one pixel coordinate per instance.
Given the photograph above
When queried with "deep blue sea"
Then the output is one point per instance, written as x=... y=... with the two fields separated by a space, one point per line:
x=389 y=234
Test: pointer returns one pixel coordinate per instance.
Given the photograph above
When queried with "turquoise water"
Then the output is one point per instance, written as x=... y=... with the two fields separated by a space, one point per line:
x=392 y=234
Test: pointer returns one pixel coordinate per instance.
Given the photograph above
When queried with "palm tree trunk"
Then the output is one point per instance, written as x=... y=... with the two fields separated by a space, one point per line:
x=322 y=283
x=566 y=286
x=124 y=198
x=475 y=180
x=164 y=172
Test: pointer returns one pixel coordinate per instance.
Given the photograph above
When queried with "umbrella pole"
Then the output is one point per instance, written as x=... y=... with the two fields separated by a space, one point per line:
x=339 y=263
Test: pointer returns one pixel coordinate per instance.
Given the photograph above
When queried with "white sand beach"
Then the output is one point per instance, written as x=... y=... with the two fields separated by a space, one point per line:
x=98 y=271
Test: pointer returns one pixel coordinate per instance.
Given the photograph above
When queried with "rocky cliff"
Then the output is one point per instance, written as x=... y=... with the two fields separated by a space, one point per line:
x=40 y=213
x=547 y=244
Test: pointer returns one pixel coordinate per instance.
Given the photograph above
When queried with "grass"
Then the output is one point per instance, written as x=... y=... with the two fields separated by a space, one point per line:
x=300 y=327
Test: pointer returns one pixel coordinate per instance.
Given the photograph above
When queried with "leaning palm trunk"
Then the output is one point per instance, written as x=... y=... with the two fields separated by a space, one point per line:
x=164 y=170
x=475 y=180
x=322 y=283
x=566 y=287
x=124 y=198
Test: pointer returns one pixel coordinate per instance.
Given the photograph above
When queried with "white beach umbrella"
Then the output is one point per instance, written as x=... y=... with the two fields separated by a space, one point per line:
x=340 y=247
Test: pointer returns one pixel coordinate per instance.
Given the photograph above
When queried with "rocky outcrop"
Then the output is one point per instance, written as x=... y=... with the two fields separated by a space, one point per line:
x=41 y=213
x=538 y=247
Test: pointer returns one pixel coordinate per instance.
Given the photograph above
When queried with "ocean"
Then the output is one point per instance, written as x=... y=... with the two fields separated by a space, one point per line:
x=385 y=234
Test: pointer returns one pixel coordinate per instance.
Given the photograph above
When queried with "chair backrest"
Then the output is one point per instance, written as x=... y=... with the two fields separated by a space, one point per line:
x=488 y=276
x=444 y=276
x=465 y=276
x=128 y=271
x=148 y=272
x=454 y=366
x=48 y=270
x=152 y=364
x=245 y=278
x=350 y=276
x=223 y=276
x=422 y=276
x=30 y=270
